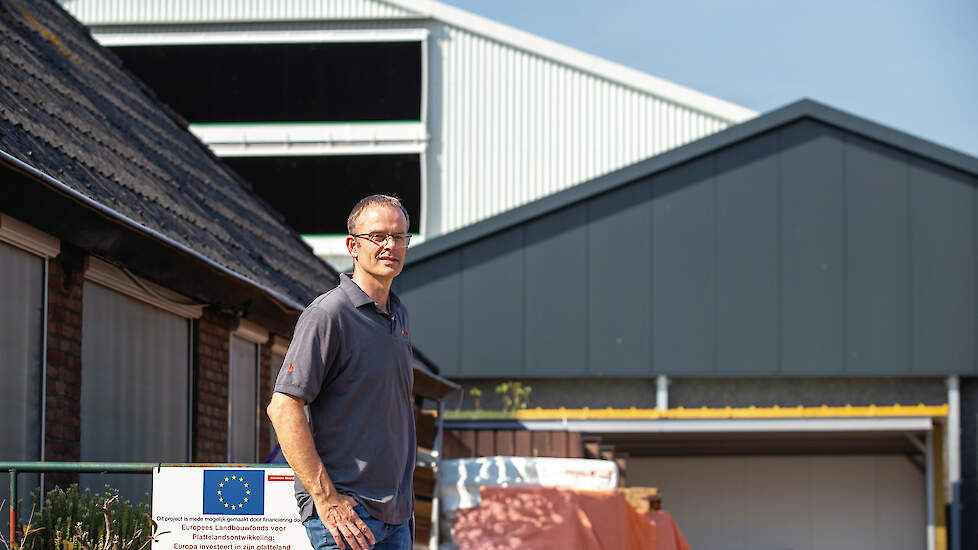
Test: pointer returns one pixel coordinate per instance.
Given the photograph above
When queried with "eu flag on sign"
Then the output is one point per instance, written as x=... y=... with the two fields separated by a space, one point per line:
x=234 y=492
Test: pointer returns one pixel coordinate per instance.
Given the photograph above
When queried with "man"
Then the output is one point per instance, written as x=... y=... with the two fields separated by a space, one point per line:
x=350 y=360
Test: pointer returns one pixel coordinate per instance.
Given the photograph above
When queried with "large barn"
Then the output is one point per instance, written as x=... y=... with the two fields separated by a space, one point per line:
x=463 y=117
x=775 y=325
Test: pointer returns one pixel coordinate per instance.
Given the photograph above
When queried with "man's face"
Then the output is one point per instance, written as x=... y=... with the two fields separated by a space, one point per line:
x=385 y=260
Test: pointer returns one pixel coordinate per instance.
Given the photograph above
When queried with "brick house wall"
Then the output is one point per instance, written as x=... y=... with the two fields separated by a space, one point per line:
x=210 y=393
x=62 y=421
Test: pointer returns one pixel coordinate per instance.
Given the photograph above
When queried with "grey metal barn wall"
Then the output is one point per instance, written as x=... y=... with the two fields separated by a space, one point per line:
x=802 y=251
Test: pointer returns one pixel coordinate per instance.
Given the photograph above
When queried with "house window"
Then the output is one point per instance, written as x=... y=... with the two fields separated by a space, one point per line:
x=136 y=376
x=244 y=390
x=22 y=303
x=243 y=401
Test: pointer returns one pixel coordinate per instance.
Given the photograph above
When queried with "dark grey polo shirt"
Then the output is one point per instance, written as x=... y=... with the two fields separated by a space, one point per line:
x=351 y=363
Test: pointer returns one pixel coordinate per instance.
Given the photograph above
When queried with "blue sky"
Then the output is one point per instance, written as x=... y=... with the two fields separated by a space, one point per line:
x=910 y=65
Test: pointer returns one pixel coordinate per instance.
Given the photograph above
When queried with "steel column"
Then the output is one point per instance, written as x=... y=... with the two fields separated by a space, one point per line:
x=433 y=534
x=954 y=458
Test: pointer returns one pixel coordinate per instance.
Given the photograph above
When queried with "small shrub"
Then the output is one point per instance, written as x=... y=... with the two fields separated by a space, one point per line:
x=476 y=394
x=72 y=520
x=515 y=395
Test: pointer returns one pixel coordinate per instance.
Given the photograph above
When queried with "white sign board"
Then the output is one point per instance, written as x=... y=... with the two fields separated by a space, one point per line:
x=223 y=508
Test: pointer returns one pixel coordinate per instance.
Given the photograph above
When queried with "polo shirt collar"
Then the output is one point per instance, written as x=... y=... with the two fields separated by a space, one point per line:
x=358 y=297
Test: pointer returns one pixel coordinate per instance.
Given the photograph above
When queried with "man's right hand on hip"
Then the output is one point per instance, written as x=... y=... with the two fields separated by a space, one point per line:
x=341 y=520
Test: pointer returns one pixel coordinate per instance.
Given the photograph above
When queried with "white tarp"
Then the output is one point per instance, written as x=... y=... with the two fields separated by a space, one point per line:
x=459 y=479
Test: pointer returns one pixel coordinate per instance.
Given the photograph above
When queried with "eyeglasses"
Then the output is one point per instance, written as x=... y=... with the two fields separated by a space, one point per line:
x=400 y=240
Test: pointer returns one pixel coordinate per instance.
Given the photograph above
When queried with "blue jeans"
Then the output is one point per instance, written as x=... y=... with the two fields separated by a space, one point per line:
x=388 y=537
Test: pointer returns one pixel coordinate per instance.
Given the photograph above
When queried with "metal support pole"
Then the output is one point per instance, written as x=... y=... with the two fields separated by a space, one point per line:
x=929 y=480
x=13 y=506
x=436 y=452
x=954 y=458
x=662 y=392
x=926 y=448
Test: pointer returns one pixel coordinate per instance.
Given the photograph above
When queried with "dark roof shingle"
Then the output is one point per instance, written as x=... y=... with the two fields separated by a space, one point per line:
x=69 y=110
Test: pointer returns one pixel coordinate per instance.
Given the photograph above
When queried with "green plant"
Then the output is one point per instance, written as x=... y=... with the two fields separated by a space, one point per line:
x=515 y=395
x=476 y=393
x=73 y=520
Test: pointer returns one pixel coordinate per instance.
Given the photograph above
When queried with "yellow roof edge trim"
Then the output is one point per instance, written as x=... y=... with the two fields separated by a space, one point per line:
x=823 y=411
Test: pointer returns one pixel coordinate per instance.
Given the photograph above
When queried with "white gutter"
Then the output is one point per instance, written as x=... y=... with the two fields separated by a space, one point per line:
x=284 y=300
x=317 y=138
x=109 y=37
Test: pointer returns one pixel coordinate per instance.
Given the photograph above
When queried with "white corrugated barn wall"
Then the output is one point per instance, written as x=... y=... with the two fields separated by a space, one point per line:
x=509 y=126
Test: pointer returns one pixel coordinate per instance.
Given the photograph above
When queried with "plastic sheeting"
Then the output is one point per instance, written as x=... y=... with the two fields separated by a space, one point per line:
x=667 y=533
x=546 y=518
x=459 y=480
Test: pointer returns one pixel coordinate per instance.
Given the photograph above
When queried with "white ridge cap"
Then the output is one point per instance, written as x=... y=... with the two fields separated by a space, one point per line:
x=578 y=59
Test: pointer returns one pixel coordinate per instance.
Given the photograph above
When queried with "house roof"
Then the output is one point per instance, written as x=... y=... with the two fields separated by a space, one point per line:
x=106 y=167
x=793 y=112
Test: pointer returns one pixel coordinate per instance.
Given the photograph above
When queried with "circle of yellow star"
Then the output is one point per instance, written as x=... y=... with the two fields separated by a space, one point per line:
x=240 y=504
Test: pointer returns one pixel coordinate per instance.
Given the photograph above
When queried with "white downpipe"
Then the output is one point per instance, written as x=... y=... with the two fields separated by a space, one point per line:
x=662 y=392
x=954 y=458
x=929 y=480
x=926 y=448
x=44 y=371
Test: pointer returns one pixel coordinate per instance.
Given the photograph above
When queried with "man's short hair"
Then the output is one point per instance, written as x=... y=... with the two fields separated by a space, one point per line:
x=388 y=200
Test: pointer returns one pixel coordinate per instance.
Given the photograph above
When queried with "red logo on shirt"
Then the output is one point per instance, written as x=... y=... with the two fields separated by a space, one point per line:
x=291 y=367
x=404 y=332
